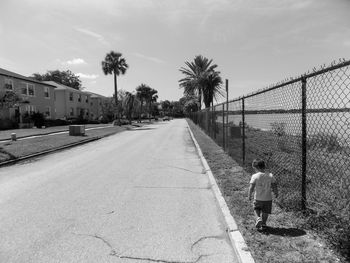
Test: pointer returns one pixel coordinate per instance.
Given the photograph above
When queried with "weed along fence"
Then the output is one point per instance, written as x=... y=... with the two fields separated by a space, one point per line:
x=301 y=128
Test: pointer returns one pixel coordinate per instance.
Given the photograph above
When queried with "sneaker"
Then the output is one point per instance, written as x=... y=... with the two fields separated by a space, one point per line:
x=258 y=223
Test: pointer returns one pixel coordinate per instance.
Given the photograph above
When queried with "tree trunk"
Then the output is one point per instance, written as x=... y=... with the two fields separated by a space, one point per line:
x=116 y=98
x=141 y=110
x=200 y=99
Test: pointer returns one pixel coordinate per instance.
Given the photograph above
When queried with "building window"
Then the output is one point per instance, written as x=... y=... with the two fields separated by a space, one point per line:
x=46 y=92
x=48 y=112
x=31 y=90
x=71 y=96
x=24 y=90
x=9 y=84
x=27 y=89
x=87 y=99
x=79 y=98
x=29 y=109
x=71 y=112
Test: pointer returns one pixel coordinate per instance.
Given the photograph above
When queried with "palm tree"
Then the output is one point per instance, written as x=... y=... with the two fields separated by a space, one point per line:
x=142 y=92
x=152 y=97
x=114 y=64
x=197 y=76
x=212 y=88
x=129 y=104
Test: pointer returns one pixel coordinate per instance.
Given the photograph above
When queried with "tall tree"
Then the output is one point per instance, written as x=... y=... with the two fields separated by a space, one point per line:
x=165 y=106
x=142 y=93
x=114 y=64
x=152 y=97
x=212 y=88
x=189 y=103
x=196 y=80
x=130 y=104
x=67 y=78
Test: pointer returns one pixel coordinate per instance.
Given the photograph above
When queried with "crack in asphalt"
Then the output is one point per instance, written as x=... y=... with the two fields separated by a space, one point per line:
x=161 y=260
x=115 y=254
x=176 y=167
x=173 y=187
x=203 y=238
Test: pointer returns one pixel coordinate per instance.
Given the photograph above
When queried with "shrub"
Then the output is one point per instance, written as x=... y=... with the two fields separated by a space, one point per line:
x=278 y=128
x=38 y=119
x=330 y=142
x=6 y=124
x=57 y=122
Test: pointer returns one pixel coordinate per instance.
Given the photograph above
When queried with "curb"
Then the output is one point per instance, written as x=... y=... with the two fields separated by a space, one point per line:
x=52 y=132
x=236 y=238
x=9 y=162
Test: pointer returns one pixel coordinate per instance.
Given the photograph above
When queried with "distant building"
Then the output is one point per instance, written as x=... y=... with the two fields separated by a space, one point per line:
x=96 y=105
x=71 y=103
x=36 y=96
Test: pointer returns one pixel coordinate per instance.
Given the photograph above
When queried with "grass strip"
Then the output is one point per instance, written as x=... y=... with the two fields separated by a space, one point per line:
x=286 y=240
x=16 y=149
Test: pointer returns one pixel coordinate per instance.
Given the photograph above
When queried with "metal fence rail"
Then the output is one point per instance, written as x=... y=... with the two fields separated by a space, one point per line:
x=301 y=128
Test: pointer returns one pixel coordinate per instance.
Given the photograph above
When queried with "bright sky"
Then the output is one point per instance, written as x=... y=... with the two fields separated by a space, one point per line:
x=255 y=43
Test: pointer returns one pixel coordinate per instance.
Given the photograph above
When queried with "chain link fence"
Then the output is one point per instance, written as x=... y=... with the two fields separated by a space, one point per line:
x=301 y=129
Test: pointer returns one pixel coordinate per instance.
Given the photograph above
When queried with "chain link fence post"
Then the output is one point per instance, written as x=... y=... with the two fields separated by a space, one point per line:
x=213 y=121
x=226 y=129
x=243 y=132
x=303 y=143
x=223 y=127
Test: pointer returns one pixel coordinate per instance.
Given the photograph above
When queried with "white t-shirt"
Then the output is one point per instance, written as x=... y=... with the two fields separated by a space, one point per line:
x=262 y=183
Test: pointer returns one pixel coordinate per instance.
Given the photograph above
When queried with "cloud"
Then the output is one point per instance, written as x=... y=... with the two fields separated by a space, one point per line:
x=90 y=33
x=87 y=76
x=153 y=59
x=76 y=61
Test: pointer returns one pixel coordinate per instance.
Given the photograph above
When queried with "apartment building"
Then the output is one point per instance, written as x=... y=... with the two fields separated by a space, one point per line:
x=71 y=103
x=96 y=105
x=35 y=96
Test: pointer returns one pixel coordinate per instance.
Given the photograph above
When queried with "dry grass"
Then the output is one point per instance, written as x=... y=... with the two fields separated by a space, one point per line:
x=287 y=239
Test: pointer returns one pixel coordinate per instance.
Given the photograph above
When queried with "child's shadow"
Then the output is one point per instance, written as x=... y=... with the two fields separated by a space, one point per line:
x=287 y=232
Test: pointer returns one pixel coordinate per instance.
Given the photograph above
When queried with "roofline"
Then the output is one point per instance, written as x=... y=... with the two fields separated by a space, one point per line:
x=26 y=79
x=63 y=87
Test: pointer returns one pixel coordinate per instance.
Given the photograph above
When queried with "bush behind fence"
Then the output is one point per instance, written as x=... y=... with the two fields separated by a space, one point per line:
x=301 y=128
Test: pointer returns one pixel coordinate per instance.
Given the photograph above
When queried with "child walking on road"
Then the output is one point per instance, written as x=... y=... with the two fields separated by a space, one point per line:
x=263 y=184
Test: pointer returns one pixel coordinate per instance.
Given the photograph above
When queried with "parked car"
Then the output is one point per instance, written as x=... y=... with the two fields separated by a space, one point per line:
x=166 y=118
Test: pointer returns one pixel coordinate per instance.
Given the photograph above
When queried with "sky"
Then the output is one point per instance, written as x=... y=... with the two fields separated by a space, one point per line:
x=255 y=43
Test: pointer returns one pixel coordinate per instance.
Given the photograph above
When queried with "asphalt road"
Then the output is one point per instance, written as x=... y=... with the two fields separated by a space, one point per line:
x=137 y=196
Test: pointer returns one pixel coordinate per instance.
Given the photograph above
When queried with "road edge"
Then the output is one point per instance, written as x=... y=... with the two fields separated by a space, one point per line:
x=236 y=238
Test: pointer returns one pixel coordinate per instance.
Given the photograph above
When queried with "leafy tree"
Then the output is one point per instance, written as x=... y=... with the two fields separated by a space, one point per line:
x=165 y=106
x=212 y=88
x=142 y=93
x=67 y=78
x=177 y=109
x=130 y=105
x=189 y=103
x=152 y=98
x=201 y=79
x=108 y=110
x=148 y=95
x=114 y=64
x=9 y=99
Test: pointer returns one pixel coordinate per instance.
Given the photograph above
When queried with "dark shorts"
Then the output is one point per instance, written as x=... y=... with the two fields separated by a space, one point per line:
x=264 y=206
